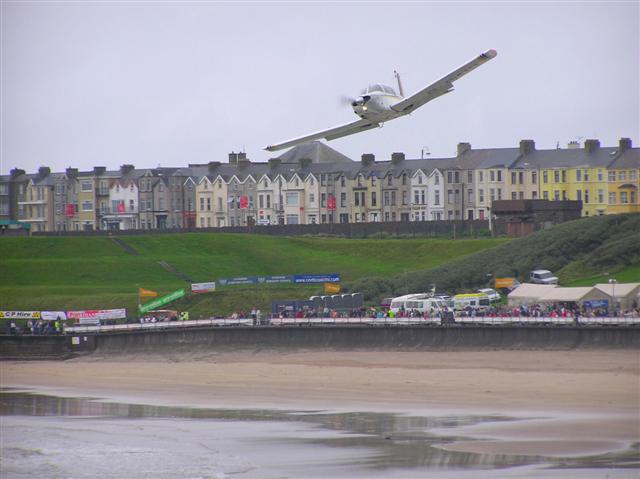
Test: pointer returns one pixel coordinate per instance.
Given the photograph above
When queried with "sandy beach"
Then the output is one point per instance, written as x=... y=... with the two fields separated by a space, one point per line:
x=584 y=402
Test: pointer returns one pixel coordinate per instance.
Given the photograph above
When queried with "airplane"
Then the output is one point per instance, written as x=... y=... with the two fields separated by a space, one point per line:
x=380 y=103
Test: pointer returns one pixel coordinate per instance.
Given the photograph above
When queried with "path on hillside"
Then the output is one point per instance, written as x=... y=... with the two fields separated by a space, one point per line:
x=173 y=270
x=125 y=246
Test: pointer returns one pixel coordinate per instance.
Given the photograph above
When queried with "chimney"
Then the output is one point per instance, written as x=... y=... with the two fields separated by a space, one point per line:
x=124 y=169
x=16 y=172
x=573 y=145
x=242 y=156
x=397 y=158
x=304 y=162
x=591 y=145
x=274 y=162
x=625 y=144
x=233 y=158
x=527 y=146
x=99 y=170
x=72 y=172
x=368 y=159
x=463 y=148
x=44 y=171
x=213 y=165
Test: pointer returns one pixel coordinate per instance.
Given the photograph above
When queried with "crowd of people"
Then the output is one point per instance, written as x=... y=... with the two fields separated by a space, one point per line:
x=35 y=327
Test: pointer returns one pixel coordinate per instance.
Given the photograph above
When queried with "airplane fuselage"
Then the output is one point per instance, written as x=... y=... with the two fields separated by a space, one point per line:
x=376 y=107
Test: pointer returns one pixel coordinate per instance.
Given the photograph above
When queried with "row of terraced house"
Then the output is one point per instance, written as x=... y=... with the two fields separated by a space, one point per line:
x=313 y=183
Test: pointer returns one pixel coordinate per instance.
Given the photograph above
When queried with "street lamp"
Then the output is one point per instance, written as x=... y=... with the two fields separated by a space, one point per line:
x=613 y=282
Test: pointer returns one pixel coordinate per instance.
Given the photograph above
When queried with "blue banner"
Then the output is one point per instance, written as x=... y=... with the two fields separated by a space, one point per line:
x=597 y=304
x=239 y=280
x=275 y=279
x=317 y=278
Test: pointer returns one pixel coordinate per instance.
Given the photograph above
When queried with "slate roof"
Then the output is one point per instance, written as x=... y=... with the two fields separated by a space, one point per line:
x=317 y=151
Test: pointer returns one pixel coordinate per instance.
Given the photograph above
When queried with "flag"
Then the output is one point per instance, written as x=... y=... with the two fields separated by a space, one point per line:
x=146 y=293
x=331 y=202
x=70 y=210
x=121 y=207
x=244 y=202
x=331 y=288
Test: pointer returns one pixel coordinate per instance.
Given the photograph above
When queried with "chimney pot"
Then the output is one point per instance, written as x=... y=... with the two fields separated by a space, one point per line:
x=591 y=145
x=233 y=158
x=368 y=158
x=463 y=148
x=397 y=157
x=625 y=144
x=527 y=146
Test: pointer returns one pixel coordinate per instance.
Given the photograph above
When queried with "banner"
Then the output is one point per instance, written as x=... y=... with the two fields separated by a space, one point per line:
x=203 y=287
x=317 y=278
x=238 y=280
x=505 y=283
x=162 y=301
x=20 y=315
x=331 y=202
x=332 y=288
x=97 y=314
x=121 y=207
x=597 y=304
x=244 y=202
x=275 y=279
x=53 y=315
x=146 y=293
x=70 y=210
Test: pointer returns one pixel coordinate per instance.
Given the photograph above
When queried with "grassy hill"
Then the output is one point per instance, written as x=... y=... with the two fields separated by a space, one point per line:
x=96 y=272
x=581 y=252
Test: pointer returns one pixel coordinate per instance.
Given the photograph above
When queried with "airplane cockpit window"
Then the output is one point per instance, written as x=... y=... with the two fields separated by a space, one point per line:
x=378 y=88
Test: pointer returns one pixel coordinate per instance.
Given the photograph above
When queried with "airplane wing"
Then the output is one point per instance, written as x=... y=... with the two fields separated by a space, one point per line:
x=330 y=134
x=442 y=86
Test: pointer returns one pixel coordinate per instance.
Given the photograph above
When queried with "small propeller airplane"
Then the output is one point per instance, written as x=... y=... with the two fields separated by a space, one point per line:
x=380 y=103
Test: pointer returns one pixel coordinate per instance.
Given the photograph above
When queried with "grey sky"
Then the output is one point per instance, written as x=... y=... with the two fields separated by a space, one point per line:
x=150 y=83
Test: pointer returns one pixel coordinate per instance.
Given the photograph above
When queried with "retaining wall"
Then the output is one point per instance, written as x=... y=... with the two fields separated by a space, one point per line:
x=333 y=337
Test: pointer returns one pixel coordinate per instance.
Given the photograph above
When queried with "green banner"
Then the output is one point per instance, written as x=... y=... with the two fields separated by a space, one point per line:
x=156 y=303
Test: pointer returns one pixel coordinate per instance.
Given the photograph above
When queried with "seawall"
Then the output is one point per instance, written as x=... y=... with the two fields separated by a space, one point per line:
x=334 y=337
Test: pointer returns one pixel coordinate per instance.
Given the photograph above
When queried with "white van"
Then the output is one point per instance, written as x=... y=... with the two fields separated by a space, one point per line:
x=477 y=301
x=421 y=302
x=543 y=276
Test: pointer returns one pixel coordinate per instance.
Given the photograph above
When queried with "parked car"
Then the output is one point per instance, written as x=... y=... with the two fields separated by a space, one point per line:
x=491 y=293
x=543 y=276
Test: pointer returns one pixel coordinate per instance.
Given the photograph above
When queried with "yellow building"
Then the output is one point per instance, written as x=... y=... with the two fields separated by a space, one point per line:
x=622 y=179
x=36 y=203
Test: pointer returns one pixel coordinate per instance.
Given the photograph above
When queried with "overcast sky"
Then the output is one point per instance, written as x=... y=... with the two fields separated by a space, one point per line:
x=163 y=83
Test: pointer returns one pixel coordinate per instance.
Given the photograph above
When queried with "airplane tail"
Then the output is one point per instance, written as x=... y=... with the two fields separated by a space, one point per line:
x=400 y=90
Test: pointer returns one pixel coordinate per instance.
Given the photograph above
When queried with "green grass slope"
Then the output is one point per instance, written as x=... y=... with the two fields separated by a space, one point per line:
x=581 y=252
x=95 y=272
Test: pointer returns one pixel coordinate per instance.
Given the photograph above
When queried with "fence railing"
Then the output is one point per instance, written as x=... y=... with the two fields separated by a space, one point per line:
x=275 y=322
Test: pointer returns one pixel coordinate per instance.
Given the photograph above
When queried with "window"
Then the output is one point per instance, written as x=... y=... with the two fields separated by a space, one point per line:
x=480 y=175
x=586 y=196
x=612 y=198
x=393 y=198
x=499 y=193
x=312 y=198
x=513 y=177
x=323 y=179
x=579 y=195
x=416 y=197
x=534 y=177
x=578 y=175
x=87 y=206
x=612 y=176
x=292 y=199
x=132 y=205
x=436 y=179
x=161 y=204
x=436 y=200
x=208 y=204
x=386 y=198
x=342 y=181
x=480 y=196
x=514 y=195
x=405 y=199
x=404 y=178
x=261 y=201
x=499 y=175
x=564 y=176
x=556 y=176
x=624 y=197
x=599 y=175
x=292 y=219
x=356 y=198
x=219 y=203
x=268 y=201
x=622 y=176
x=323 y=200
x=201 y=222
x=469 y=196
x=492 y=194
x=389 y=180
x=343 y=201
x=586 y=175
x=362 y=201
x=600 y=196
x=86 y=186
x=633 y=175
x=492 y=175
x=161 y=187
x=521 y=177
x=450 y=196
x=201 y=203
x=534 y=195
x=545 y=195
x=545 y=176
x=424 y=197
x=632 y=197
x=374 y=199
x=419 y=179
x=469 y=176
x=556 y=195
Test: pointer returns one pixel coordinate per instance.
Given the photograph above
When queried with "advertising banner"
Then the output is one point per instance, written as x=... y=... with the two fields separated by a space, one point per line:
x=53 y=315
x=275 y=279
x=97 y=314
x=502 y=283
x=203 y=287
x=317 y=278
x=332 y=288
x=20 y=315
x=597 y=304
x=238 y=280
x=156 y=303
x=146 y=293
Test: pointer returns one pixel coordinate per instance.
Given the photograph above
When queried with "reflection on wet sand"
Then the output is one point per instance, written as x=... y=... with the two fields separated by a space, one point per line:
x=393 y=441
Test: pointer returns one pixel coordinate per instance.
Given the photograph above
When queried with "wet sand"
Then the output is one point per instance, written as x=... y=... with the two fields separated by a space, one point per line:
x=585 y=402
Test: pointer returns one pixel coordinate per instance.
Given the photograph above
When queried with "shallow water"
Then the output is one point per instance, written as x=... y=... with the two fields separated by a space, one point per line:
x=54 y=437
